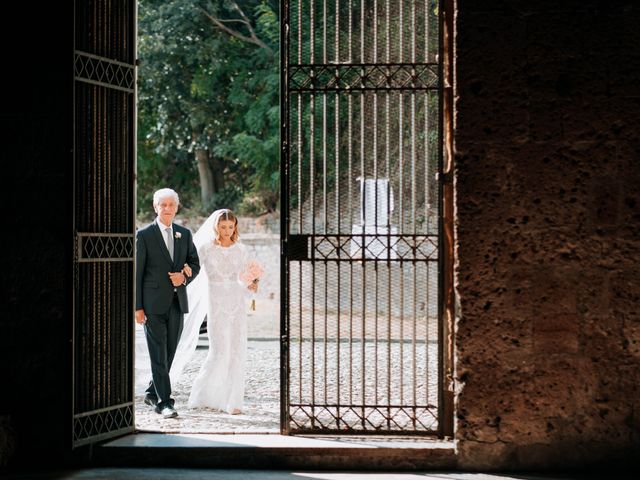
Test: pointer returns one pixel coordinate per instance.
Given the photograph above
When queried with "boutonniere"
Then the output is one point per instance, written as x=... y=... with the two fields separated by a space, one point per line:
x=178 y=235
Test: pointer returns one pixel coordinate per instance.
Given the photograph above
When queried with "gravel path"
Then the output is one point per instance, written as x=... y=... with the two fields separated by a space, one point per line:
x=262 y=399
x=394 y=385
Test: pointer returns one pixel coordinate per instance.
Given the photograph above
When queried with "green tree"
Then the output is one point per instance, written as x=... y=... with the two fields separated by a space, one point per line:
x=208 y=98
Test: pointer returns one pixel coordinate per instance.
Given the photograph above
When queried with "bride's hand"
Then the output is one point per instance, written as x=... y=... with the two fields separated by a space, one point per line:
x=253 y=287
x=187 y=270
x=140 y=317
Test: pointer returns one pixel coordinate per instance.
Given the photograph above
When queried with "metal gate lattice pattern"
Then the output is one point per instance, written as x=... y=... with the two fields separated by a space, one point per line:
x=104 y=226
x=362 y=148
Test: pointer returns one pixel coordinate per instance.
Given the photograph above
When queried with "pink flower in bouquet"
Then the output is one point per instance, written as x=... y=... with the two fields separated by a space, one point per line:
x=252 y=273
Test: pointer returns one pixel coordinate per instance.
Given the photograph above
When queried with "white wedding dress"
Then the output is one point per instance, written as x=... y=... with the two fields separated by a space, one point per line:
x=220 y=381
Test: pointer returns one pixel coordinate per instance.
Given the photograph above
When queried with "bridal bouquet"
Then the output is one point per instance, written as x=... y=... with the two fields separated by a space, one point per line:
x=251 y=275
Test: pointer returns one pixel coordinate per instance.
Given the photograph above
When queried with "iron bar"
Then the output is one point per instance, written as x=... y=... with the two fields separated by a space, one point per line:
x=339 y=337
x=414 y=208
x=299 y=151
x=362 y=30
x=427 y=332
x=350 y=31
x=350 y=187
x=312 y=31
x=285 y=221
x=299 y=24
x=300 y=340
x=350 y=332
x=337 y=33
x=326 y=330
x=324 y=31
x=401 y=31
x=363 y=293
x=312 y=181
x=374 y=47
x=324 y=162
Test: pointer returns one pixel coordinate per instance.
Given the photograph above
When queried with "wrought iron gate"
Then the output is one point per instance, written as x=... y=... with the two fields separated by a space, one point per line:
x=104 y=218
x=362 y=224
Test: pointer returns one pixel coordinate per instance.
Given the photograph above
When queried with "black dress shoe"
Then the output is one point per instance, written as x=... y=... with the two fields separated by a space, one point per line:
x=168 y=412
x=151 y=401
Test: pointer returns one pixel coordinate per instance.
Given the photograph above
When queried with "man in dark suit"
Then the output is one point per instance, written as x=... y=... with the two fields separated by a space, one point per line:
x=163 y=249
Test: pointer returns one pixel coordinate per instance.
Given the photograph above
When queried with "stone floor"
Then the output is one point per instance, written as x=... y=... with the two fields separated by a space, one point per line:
x=201 y=474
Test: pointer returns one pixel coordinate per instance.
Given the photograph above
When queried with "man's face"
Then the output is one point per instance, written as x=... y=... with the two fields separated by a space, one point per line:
x=166 y=208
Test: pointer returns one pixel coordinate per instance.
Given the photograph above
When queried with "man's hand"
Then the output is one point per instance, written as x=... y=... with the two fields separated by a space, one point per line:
x=177 y=278
x=140 y=317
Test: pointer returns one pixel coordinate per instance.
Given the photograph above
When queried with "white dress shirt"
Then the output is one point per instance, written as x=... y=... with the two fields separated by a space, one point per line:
x=163 y=231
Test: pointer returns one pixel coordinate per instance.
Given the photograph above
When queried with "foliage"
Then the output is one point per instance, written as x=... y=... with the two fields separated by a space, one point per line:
x=209 y=81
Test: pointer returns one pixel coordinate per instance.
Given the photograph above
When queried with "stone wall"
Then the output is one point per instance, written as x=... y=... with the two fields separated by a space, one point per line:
x=547 y=224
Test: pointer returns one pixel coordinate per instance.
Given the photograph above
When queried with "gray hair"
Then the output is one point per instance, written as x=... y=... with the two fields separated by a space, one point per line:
x=164 y=193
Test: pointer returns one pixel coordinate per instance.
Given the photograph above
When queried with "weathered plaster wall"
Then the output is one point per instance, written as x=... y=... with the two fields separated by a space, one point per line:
x=547 y=178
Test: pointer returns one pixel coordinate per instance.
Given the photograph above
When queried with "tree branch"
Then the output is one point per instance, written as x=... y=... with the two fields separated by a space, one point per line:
x=252 y=38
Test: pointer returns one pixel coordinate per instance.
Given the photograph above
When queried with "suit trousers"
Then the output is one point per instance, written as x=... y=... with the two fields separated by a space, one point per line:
x=163 y=333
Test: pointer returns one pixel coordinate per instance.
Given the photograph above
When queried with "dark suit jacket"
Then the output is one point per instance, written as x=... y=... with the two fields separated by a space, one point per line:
x=154 y=290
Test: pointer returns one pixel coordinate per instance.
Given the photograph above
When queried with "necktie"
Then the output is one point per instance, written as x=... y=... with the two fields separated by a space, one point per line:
x=169 y=242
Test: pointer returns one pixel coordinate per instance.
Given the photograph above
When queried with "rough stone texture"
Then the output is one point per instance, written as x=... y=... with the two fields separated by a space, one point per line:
x=547 y=102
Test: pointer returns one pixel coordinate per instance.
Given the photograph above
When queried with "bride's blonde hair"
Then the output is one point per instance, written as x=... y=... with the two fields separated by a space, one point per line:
x=227 y=214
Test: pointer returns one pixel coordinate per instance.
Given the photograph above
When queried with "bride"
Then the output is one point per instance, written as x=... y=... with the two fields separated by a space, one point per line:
x=221 y=295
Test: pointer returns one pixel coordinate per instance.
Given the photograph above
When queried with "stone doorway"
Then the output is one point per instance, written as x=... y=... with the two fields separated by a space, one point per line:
x=362 y=248
x=373 y=90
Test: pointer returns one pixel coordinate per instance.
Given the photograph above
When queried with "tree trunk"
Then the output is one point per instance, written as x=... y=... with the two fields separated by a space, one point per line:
x=207 y=188
x=217 y=168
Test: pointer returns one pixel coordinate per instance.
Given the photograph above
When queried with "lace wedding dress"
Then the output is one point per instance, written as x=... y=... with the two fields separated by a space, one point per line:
x=220 y=381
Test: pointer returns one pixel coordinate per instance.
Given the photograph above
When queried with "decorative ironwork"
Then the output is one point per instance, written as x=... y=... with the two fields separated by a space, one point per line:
x=104 y=219
x=359 y=77
x=361 y=223
x=383 y=419
x=376 y=247
x=93 y=426
x=104 y=247
x=104 y=72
